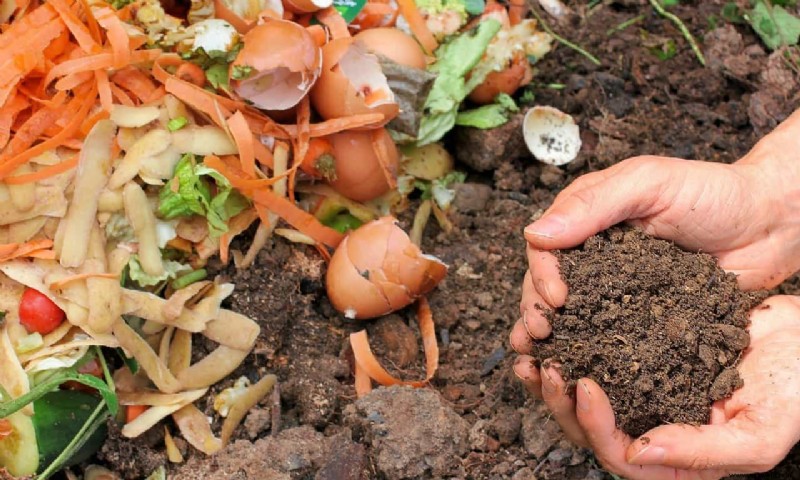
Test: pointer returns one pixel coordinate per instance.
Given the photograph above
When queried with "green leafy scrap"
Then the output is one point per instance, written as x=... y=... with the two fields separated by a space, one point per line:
x=215 y=63
x=488 y=116
x=775 y=26
x=196 y=189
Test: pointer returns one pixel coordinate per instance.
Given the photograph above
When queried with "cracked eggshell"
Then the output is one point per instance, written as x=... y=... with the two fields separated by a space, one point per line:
x=506 y=81
x=393 y=44
x=244 y=14
x=285 y=63
x=551 y=135
x=377 y=270
x=306 y=6
x=352 y=83
x=359 y=174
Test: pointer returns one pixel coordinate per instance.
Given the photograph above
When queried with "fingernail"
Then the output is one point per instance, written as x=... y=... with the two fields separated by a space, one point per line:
x=547 y=227
x=549 y=386
x=649 y=455
x=517 y=363
x=544 y=288
x=583 y=400
x=510 y=342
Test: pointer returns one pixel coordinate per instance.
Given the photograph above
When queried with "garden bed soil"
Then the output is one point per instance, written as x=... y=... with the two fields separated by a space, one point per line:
x=633 y=104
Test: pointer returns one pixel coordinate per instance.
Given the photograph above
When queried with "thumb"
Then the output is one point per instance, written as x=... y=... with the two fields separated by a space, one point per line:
x=732 y=446
x=588 y=207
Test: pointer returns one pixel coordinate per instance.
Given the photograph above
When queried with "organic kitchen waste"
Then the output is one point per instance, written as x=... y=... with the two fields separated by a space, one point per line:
x=137 y=139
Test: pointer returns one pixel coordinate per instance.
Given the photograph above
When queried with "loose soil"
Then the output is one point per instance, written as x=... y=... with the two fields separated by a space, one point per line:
x=633 y=104
x=660 y=329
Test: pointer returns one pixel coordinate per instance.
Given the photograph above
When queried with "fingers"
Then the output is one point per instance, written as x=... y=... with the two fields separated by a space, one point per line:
x=561 y=405
x=546 y=276
x=525 y=369
x=734 y=446
x=629 y=191
x=533 y=308
x=610 y=444
x=520 y=339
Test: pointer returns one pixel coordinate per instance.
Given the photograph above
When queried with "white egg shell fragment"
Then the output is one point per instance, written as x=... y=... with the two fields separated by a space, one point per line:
x=551 y=135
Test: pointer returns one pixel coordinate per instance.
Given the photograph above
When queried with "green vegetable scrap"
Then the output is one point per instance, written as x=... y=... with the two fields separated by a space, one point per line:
x=454 y=60
x=216 y=64
x=488 y=116
x=776 y=26
x=177 y=123
x=198 y=190
x=171 y=270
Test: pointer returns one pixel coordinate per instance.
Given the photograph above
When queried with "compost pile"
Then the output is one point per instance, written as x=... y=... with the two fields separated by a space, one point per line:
x=660 y=329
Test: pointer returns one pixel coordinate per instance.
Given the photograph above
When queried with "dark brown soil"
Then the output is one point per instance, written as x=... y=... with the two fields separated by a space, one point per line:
x=660 y=329
x=632 y=104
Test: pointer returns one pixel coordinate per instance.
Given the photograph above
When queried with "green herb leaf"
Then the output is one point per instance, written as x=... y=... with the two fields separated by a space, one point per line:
x=138 y=275
x=774 y=24
x=177 y=123
x=343 y=222
x=488 y=116
x=665 y=51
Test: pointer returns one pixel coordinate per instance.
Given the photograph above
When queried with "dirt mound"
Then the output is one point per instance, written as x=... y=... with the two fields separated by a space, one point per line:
x=660 y=329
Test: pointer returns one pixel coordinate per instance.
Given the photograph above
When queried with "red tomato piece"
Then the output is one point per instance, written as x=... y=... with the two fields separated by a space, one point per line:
x=37 y=313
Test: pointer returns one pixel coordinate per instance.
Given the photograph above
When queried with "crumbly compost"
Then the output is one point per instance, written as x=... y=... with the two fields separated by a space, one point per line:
x=659 y=328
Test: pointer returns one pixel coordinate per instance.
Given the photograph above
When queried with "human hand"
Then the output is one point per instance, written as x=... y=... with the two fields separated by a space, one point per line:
x=752 y=431
x=744 y=214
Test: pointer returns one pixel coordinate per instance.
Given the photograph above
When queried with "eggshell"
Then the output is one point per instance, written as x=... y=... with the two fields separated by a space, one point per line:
x=306 y=6
x=243 y=14
x=551 y=135
x=286 y=63
x=349 y=73
x=507 y=81
x=393 y=44
x=359 y=175
x=377 y=270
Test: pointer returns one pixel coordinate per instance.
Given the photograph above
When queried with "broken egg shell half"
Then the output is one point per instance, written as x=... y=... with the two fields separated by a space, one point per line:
x=359 y=175
x=306 y=6
x=551 y=135
x=376 y=270
x=285 y=63
x=393 y=44
x=244 y=14
x=506 y=81
x=352 y=83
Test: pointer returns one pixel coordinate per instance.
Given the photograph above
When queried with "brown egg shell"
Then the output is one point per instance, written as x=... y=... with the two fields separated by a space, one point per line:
x=360 y=275
x=306 y=6
x=282 y=49
x=393 y=44
x=507 y=81
x=359 y=175
x=334 y=95
x=243 y=23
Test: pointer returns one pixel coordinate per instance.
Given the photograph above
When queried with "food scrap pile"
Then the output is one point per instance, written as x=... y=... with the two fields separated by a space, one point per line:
x=138 y=138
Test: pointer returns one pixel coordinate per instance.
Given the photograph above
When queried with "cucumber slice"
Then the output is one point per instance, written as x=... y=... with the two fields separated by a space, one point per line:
x=59 y=416
x=19 y=453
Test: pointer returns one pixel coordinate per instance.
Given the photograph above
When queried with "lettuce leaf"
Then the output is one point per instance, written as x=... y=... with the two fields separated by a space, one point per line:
x=171 y=271
x=454 y=60
x=488 y=116
x=199 y=190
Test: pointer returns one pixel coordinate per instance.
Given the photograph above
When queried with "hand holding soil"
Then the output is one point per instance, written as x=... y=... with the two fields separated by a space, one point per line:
x=738 y=214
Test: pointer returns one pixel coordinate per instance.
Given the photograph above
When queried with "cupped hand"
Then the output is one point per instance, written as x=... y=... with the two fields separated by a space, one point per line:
x=750 y=432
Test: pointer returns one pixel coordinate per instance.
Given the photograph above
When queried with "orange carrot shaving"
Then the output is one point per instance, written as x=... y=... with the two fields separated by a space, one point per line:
x=191 y=73
x=366 y=360
x=243 y=138
x=408 y=9
x=323 y=251
x=197 y=98
x=46 y=172
x=328 y=127
x=62 y=282
x=363 y=382
x=224 y=248
x=298 y=218
x=78 y=29
x=132 y=412
x=33 y=248
x=8 y=114
x=87 y=124
x=6 y=428
x=72 y=80
x=69 y=130
x=237 y=178
x=104 y=90
x=379 y=146
x=95 y=62
x=374 y=8
x=117 y=36
x=135 y=81
x=121 y=96
x=517 y=11
x=331 y=18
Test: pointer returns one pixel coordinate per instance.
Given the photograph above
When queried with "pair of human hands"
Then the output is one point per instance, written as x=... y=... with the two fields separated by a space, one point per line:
x=746 y=215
